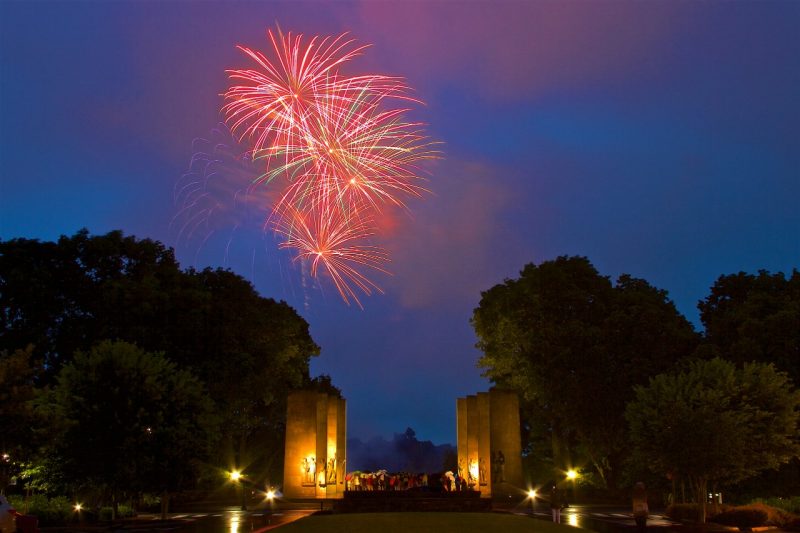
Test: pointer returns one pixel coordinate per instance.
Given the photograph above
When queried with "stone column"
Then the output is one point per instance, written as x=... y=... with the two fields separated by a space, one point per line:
x=472 y=442
x=505 y=441
x=484 y=447
x=316 y=441
x=341 y=445
x=322 y=444
x=331 y=470
x=301 y=445
x=461 y=436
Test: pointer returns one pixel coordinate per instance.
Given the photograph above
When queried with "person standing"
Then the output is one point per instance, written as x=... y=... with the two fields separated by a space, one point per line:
x=640 y=508
x=556 y=503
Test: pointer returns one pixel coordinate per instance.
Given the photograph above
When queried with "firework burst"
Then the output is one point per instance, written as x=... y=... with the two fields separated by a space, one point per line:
x=336 y=148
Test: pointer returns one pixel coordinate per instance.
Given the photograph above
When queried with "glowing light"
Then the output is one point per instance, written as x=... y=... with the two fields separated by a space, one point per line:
x=334 y=145
x=473 y=469
x=77 y=507
x=532 y=494
x=270 y=495
x=235 y=475
x=572 y=519
x=572 y=474
x=234 y=524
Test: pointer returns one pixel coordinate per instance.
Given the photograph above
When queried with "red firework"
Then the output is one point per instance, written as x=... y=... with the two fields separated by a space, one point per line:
x=334 y=147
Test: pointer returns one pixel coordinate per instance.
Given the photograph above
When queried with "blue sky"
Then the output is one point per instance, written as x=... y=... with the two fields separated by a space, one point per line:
x=660 y=139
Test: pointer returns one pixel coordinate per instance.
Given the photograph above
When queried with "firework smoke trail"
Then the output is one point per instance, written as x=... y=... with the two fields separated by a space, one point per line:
x=216 y=191
x=333 y=146
x=215 y=198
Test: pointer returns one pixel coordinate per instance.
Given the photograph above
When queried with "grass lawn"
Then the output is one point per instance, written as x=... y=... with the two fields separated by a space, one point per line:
x=423 y=522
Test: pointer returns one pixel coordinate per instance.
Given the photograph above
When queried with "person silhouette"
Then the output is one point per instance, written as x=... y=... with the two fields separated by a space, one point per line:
x=640 y=508
x=556 y=503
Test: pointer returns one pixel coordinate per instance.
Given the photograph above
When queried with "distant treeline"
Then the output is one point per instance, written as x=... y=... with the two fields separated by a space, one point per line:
x=403 y=453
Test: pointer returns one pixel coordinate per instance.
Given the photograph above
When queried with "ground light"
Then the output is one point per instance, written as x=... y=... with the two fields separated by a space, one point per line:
x=532 y=497
x=236 y=477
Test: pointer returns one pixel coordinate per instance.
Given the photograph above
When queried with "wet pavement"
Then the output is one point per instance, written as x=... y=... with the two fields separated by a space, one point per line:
x=603 y=519
x=237 y=521
x=233 y=520
x=265 y=517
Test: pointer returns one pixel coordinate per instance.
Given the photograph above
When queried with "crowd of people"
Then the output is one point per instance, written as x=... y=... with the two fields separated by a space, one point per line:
x=382 y=480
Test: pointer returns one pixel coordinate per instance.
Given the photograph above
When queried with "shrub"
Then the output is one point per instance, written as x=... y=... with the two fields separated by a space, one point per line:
x=684 y=511
x=793 y=525
x=123 y=511
x=773 y=516
x=743 y=518
x=49 y=511
x=791 y=505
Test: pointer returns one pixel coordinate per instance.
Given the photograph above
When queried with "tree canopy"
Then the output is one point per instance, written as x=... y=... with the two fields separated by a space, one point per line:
x=573 y=346
x=755 y=318
x=126 y=420
x=716 y=422
x=18 y=372
x=67 y=296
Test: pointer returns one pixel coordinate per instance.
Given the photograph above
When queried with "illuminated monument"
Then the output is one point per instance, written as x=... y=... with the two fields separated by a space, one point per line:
x=489 y=446
x=316 y=436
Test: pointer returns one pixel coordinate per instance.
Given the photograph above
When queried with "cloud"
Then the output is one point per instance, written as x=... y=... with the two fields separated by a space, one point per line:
x=444 y=254
x=513 y=49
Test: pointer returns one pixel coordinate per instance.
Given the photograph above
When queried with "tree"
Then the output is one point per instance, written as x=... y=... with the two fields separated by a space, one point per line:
x=66 y=296
x=715 y=422
x=128 y=421
x=249 y=350
x=573 y=346
x=755 y=318
x=18 y=372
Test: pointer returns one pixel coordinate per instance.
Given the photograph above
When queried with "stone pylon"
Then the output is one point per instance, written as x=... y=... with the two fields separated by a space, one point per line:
x=489 y=444
x=315 y=459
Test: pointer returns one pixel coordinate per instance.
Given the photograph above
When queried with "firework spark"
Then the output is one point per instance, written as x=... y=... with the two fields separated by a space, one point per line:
x=333 y=145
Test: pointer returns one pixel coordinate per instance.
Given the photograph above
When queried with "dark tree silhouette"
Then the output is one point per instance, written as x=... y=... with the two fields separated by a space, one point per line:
x=755 y=318
x=574 y=346
x=249 y=350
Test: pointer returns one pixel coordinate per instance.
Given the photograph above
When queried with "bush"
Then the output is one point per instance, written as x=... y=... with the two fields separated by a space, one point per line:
x=791 y=505
x=777 y=516
x=49 y=511
x=123 y=511
x=741 y=517
x=773 y=516
x=793 y=525
x=684 y=511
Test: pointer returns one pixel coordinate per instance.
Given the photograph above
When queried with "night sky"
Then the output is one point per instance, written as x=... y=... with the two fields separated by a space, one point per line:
x=660 y=139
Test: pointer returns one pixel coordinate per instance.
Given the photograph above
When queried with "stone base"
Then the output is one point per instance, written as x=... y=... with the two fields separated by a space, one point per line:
x=411 y=501
x=506 y=490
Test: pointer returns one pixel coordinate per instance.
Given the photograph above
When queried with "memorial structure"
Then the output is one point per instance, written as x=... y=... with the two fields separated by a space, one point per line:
x=489 y=445
x=315 y=459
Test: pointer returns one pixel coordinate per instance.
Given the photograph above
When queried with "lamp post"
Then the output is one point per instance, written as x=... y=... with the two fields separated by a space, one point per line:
x=236 y=477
